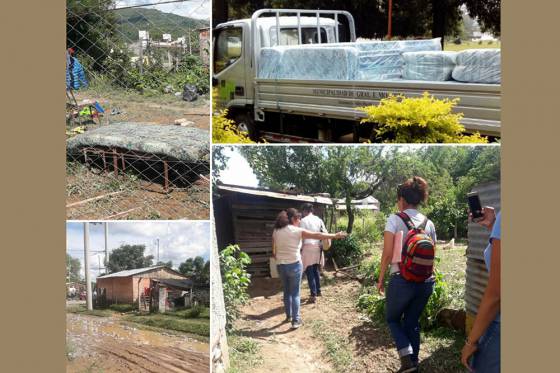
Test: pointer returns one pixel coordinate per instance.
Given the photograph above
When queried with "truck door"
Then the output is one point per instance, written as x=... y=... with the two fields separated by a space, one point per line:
x=229 y=66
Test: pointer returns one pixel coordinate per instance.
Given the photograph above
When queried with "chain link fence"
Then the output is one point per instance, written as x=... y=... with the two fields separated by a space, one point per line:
x=146 y=66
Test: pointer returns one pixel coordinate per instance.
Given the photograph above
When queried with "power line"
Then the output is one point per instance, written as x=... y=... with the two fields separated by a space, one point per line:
x=151 y=4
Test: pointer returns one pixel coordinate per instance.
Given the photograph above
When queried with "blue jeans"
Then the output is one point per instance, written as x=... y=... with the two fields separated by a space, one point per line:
x=290 y=274
x=405 y=302
x=487 y=358
x=314 y=279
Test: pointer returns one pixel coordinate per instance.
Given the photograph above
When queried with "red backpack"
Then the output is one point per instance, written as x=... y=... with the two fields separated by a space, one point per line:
x=418 y=252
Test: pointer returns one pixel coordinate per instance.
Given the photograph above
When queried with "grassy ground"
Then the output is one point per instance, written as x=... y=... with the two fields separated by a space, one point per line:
x=180 y=320
x=472 y=45
x=244 y=353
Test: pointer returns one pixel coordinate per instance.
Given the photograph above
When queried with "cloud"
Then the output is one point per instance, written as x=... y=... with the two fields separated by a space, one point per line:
x=178 y=240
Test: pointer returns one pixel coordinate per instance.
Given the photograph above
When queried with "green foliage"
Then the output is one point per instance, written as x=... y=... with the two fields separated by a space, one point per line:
x=156 y=22
x=418 y=120
x=336 y=347
x=235 y=280
x=122 y=308
x=73 y=267
x=426 y=119
x=346 y=252
x=128 y=257
x=244 y=353
x=197 y=269
x=438 y=300
x=194 y=312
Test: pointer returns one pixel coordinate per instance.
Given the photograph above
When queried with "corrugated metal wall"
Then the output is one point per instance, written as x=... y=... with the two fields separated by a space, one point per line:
x=477 y=276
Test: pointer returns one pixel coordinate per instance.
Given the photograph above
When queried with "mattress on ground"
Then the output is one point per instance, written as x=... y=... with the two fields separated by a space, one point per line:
x=334 y=63
x=184 y=144
x=430 y=65
x=478 y=66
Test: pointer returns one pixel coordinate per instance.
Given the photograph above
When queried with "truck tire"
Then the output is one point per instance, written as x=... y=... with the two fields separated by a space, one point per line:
x=246 y=124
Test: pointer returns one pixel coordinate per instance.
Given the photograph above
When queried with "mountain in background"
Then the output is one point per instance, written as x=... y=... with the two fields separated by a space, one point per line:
x=129 y=21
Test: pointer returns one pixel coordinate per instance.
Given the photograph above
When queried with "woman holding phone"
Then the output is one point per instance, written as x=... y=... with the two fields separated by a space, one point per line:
x=286 y=243
x=405 y=299
x=481 y=353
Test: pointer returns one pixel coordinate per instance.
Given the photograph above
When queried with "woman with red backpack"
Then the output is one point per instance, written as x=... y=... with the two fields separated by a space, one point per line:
x=408 y=250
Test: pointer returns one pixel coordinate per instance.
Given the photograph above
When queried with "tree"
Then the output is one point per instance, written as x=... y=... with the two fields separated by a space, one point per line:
x=91 y=26
x=344 y=172
x=73 y=267
x=197 y=269
x=128 y=257
x=487 y=13
x=168 y=264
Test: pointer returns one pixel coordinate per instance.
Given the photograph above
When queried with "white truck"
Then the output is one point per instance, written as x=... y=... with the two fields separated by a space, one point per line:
x=319 y=110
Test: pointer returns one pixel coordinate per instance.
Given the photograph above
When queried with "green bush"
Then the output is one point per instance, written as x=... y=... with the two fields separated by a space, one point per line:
x=194 y=312
x=424 y=119
x=347 y=251
x=235 y=280
x=123 y=308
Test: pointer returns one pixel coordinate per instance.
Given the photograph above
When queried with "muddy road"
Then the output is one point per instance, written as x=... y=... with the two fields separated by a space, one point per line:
x=104 y=344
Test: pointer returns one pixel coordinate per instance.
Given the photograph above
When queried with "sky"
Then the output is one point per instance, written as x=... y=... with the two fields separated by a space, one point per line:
x=178 y=240
x=238 y=171
x=199 y=9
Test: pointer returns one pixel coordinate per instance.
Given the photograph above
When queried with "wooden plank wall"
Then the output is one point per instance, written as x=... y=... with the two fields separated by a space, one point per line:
x=253 y=222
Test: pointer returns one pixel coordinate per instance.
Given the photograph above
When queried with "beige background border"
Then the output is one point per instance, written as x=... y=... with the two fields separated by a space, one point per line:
x=33 y=185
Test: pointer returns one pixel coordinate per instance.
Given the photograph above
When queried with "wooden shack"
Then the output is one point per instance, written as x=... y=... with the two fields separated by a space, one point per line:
x=245 y=216
x=125 y=286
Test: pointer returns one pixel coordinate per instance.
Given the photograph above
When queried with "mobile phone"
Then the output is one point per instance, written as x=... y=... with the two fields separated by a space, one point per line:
x=475 y=206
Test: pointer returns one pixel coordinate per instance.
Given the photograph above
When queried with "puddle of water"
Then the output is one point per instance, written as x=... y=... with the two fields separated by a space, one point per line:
x=107 y=328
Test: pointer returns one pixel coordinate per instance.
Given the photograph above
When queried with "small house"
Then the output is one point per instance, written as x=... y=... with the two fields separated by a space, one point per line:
x=126 y=286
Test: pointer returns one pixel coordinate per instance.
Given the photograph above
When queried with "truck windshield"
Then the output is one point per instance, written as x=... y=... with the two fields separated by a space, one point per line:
x=228 y=47
x=289 y=36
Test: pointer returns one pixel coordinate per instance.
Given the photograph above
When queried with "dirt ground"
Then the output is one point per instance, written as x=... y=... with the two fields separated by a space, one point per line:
x=370 y=347
x=133 y=107
x=103 y=344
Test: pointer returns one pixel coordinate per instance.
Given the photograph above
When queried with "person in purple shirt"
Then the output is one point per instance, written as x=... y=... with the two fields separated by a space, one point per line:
x=481 y=353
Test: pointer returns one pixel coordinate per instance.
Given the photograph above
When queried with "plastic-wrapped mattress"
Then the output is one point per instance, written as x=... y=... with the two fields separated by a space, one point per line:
x=364 y=60
x=431 y=65
x=317 y=63
x=478 y=66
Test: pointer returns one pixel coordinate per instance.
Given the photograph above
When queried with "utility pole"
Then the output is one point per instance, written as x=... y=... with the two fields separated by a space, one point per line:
x=157 y=240
x=86 y=264
x=106 y=226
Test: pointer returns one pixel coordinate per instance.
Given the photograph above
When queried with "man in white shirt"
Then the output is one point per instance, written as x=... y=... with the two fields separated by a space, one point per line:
x=311 y=251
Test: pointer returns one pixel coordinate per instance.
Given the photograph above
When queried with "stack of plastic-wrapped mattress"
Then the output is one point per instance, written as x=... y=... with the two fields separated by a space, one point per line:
x=478 y=66
x=379 y=60
x=431 y=65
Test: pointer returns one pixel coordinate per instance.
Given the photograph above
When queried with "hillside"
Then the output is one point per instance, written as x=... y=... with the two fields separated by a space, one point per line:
x=156 y=22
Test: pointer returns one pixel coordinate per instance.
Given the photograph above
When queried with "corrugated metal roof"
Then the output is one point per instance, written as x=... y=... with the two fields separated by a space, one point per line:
x=278 y=195
x=368 y=203
x=179 y=284
x=477 y=275
x=131 y=272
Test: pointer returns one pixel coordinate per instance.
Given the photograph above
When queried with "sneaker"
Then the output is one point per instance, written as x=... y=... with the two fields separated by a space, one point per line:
x=313 y=299
x=288 y=319
x=319 y=294
x=296 y=324
x=407 y=366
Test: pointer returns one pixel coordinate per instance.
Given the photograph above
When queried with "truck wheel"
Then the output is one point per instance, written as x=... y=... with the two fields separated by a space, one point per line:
x=246 y=124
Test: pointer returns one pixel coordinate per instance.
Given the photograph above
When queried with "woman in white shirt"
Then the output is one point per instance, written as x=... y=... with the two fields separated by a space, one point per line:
x=405 y=300
x=286 y=243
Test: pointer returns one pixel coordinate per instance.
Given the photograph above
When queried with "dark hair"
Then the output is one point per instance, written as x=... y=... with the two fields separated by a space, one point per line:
x=285 y=217
x=414 y=190
x=307 y=208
